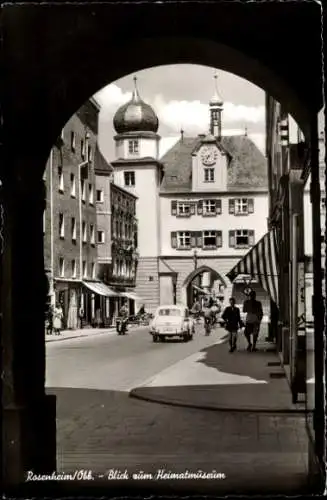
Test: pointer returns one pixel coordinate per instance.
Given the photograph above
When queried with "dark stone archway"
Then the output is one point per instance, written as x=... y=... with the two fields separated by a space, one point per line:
x=55 y=57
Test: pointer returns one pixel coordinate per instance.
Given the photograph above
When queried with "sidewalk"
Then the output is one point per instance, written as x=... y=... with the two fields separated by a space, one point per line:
x=74 y=334
x=215 y=379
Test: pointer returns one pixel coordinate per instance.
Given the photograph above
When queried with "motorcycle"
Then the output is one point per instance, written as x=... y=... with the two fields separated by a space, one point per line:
x=121 y=325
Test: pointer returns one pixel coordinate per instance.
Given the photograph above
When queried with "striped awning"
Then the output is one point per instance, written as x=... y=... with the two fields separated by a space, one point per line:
x=261 y=263
x=100 y=288
x=131 y=296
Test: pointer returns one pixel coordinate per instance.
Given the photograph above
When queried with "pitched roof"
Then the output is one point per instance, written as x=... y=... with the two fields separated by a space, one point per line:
x=247 y=166
x=100 y=163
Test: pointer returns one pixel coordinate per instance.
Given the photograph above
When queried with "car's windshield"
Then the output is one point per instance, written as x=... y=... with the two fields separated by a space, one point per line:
x=169 y=312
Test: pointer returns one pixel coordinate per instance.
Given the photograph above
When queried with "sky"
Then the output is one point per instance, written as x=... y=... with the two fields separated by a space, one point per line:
x=180 y=95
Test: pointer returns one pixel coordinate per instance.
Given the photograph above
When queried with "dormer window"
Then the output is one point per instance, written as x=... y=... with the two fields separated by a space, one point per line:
x=133 y=147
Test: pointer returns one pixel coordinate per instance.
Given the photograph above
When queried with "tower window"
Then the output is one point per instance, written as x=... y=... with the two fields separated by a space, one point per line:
x=209 y=174
x=100 y=236
x=133 y=146
x=129 y=178
x=99 y=195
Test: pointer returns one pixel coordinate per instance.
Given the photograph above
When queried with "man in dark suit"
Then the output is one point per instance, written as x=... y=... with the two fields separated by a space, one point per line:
x=233 y=322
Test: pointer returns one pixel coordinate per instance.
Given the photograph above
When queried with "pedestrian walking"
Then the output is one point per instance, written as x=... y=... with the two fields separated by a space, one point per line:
x=207 y=314
x=49 y=322
x=232 y=319
x=254 y=315
x=57 y=318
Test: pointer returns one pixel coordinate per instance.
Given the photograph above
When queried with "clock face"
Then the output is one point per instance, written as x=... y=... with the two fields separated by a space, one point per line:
x=209 y=155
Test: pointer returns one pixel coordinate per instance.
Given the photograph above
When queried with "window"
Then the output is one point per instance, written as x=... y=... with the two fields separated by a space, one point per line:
x=73 y=268
x=61 y=179
x=73 y=227
x=209 y=174
x=84 y=267
x=91 y=194
x=89 y=153
x=133 y=146
x=184 y=208
x=82 y=149
x=72 y=141
x=61 y=226
x=129 y=178
x=93 y=270
x=241 y=238
x=117 y=228
x=183 y=239
x=241 y=206
x=209 y=239
x=83 y=189
x=100 y=236
x=92 y=234
x=209 y=207
x=72 y=186
x=84 y=235
x=323 y=205
x=61 y=267
x=99 y=195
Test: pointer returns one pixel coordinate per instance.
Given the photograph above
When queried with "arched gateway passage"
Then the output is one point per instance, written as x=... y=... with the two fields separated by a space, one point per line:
x=55 y=57
x=201 y=282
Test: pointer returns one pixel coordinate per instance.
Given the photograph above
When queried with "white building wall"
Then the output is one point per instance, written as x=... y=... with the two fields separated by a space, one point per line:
x=148 y=147
x=223 y=222
x=146 y=205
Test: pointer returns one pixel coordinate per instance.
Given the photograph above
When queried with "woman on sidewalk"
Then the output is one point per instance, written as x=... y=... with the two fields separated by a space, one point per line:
x=233 y=322
x=57 y=318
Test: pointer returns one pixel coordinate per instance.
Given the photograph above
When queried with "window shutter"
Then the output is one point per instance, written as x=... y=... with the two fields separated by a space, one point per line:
x=251 y=205
x=199 y=239
x=251 y=238
x=218 y=206
x=173 y=236
x=232 y=241
x=192 y=209
x=174 y=208
x=219 y=239
x=200 y=207
x=231 y=204
x=193 y=239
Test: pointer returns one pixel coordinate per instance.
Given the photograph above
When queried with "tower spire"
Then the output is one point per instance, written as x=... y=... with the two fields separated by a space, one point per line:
x=216 y=107
x=136 y=95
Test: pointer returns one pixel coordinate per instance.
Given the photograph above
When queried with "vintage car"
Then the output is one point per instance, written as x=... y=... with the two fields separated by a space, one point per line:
x=172 y=321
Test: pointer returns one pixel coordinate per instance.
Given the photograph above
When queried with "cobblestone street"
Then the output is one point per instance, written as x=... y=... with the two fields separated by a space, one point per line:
x=106 y=429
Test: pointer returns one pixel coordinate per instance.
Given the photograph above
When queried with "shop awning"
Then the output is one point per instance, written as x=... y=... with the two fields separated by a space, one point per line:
x=130 y=295
x=261 y=263
x=100 y=288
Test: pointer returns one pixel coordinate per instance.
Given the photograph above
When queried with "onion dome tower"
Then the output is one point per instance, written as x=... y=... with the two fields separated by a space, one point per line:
x=216 y=107
x=136 y=125
x=135 y=116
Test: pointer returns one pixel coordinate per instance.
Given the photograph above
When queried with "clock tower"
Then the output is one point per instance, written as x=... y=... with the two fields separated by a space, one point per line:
x=216 y=108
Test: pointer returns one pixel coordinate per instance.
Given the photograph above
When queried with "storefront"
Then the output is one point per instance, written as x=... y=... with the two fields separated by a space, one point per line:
x=98 y=304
